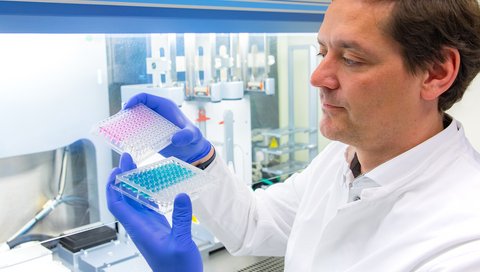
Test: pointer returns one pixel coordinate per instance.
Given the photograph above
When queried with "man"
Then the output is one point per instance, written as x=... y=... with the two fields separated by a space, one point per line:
x=397 y=189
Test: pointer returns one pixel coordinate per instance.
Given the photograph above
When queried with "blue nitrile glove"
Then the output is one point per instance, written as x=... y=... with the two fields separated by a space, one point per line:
x=188 y=144
x=165 y=248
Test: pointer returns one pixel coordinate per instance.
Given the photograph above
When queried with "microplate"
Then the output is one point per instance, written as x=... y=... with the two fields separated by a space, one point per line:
x=157 y=184
x=139 y=131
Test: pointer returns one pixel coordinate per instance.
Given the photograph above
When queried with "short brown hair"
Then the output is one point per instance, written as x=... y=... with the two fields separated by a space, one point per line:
x=424 y=27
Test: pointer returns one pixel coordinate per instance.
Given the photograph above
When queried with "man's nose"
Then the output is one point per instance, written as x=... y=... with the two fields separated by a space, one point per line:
x=325 y=75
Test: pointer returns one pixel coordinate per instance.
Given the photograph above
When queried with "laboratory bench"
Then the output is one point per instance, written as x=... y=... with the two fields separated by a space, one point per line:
x=85 y=252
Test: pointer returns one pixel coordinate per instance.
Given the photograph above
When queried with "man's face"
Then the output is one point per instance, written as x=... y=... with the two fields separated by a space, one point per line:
x=367 y=94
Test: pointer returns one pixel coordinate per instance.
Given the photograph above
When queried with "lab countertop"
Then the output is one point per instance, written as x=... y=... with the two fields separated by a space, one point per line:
x=117 y=256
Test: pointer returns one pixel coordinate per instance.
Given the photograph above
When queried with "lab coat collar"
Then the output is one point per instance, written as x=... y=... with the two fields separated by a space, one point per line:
x=415 y=159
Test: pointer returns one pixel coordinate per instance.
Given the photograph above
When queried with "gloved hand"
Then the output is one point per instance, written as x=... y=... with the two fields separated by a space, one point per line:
x=188 y=144
x=165 y=248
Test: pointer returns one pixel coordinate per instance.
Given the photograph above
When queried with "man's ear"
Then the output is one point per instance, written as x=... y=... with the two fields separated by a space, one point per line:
x=441 y=75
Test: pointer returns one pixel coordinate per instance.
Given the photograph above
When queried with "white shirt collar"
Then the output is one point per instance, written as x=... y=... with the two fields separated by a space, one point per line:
x=417 y=157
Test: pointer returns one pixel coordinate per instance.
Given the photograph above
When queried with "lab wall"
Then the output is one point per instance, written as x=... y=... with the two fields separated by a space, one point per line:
x=467 y=111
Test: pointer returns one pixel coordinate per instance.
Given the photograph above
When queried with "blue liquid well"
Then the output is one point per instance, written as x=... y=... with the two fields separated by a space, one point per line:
x=161 y=177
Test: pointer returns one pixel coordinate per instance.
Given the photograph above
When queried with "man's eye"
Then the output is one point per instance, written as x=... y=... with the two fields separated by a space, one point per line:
x=350 y=62
x=321 y=54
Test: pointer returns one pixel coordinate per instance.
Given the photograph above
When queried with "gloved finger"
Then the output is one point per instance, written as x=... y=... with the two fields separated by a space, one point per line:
x=162 y=106
x=183 y=137
x=115 y=200
x=113 y=197
x=155 y=103
x=182 y=218
x=126 y=162
x=136 y=99
x=113 y=175
x=159 y=104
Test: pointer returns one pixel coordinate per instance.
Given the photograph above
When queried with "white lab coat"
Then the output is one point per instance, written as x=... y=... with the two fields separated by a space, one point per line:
x=425 y=216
